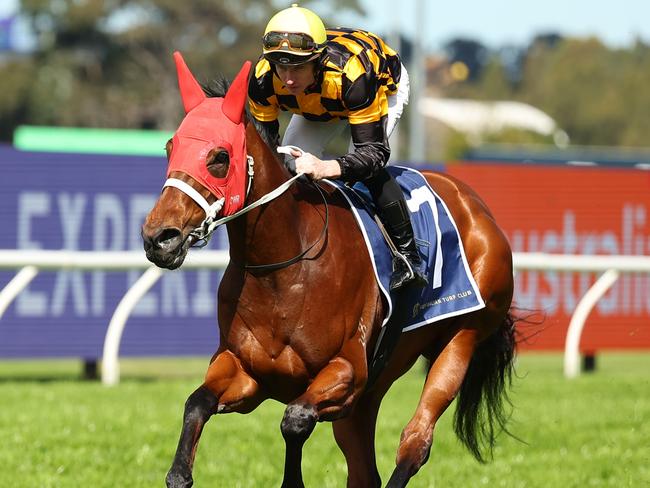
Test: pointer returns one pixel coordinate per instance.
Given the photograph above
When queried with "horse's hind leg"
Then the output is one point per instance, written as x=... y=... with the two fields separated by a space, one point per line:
x=442 y=384
x=355 y=435
x=227 y=388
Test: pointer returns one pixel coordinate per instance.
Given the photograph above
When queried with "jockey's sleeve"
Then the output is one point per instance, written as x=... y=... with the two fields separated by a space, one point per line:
x=371 y=151
x=367 y=103
x=262 y=102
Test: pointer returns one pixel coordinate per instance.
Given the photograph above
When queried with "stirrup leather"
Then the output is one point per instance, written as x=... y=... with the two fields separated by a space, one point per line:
x=409 y=266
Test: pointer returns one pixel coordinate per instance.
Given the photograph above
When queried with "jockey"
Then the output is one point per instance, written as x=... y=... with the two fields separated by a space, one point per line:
x=347 y=78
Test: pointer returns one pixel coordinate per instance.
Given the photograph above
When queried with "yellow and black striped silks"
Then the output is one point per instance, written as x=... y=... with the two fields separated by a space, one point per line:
x=357 y=71
x=355 y=75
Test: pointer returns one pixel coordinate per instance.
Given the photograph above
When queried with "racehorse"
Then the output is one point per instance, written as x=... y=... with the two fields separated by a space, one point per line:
x=300 y=310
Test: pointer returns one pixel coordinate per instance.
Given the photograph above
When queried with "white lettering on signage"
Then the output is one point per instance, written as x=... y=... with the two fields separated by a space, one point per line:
x=72 y=207
x=109 y=234
x=554 y=291
x=108 y=223
x=140 y=206
x=173 y=296
x=203 y=301
x=32 y=207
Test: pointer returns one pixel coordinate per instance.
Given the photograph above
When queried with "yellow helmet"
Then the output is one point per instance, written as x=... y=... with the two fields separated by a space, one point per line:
x=295 y=35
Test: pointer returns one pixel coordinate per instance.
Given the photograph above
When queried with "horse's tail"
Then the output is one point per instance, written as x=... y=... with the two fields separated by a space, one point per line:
x=483 y=406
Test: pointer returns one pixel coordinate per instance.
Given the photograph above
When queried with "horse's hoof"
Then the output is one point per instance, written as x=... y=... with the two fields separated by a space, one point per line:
x=179 y=480
x=399 y=478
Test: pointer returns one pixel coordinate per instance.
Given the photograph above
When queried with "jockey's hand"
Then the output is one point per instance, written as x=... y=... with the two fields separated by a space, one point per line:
x=316 y=168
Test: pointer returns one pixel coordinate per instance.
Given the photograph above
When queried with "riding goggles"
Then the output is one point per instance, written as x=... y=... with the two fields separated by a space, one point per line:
x=291 y=41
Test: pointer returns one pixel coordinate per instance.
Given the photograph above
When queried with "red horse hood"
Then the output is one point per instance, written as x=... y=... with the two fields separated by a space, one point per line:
x=212 y=123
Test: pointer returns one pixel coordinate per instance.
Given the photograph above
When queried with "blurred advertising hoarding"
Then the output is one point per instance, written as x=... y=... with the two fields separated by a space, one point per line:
x=94 y=202
x=98 y=202
x=573 y=210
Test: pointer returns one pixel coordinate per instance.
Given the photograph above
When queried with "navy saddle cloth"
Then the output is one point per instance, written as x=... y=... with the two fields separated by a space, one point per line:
x=452 y=289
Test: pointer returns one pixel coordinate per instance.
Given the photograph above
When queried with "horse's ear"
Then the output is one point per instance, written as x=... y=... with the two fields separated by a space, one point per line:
x=191 y=92
x=233 y=103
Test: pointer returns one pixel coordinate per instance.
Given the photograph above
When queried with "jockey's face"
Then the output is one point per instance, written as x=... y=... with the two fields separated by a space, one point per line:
x=297 y=78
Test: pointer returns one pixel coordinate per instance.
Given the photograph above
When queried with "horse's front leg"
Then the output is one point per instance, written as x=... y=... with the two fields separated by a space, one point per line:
x=227 y=388
x=329 y=396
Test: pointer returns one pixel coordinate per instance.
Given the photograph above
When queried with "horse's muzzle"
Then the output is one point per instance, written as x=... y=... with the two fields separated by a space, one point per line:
x=166 y=249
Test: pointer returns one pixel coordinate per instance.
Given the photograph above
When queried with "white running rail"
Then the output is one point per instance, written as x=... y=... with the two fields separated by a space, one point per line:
x=31 y=262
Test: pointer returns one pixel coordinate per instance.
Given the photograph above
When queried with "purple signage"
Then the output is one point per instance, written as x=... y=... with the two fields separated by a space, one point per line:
x=95 y=202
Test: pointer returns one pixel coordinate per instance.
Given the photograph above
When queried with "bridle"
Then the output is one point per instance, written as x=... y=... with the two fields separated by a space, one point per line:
x=201 y=235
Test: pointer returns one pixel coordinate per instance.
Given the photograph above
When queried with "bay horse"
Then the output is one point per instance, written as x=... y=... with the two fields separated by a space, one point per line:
x=299 y=308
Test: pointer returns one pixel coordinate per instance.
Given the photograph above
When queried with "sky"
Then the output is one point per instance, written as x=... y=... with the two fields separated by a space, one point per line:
x=495 y=23
x=7 y=7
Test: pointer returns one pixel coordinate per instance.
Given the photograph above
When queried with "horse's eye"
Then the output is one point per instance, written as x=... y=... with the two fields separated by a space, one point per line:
x=222 y=158
x=218 y=163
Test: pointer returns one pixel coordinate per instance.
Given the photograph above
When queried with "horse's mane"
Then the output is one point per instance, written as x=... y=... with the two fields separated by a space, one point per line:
x=217 y=88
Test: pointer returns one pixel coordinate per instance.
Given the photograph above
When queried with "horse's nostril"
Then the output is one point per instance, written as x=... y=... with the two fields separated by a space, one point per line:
x=147 y=241
x=168 y=239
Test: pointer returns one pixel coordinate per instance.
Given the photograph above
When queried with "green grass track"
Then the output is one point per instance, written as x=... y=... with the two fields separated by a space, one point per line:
x=59 y=431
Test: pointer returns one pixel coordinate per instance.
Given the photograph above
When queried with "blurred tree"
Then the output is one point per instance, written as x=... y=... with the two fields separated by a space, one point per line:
x=494 y=83
x=635 y=76
x=595 y=93
x=108 y=63
x=471 y=53
x=512 y=58
x=549 y=40
x=17 y=76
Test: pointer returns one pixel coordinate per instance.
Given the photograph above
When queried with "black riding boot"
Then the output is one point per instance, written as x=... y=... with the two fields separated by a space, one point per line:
x=406 y=264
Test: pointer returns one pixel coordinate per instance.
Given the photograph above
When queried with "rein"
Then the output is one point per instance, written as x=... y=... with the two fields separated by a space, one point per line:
x=201 y=235
x=288 y=262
